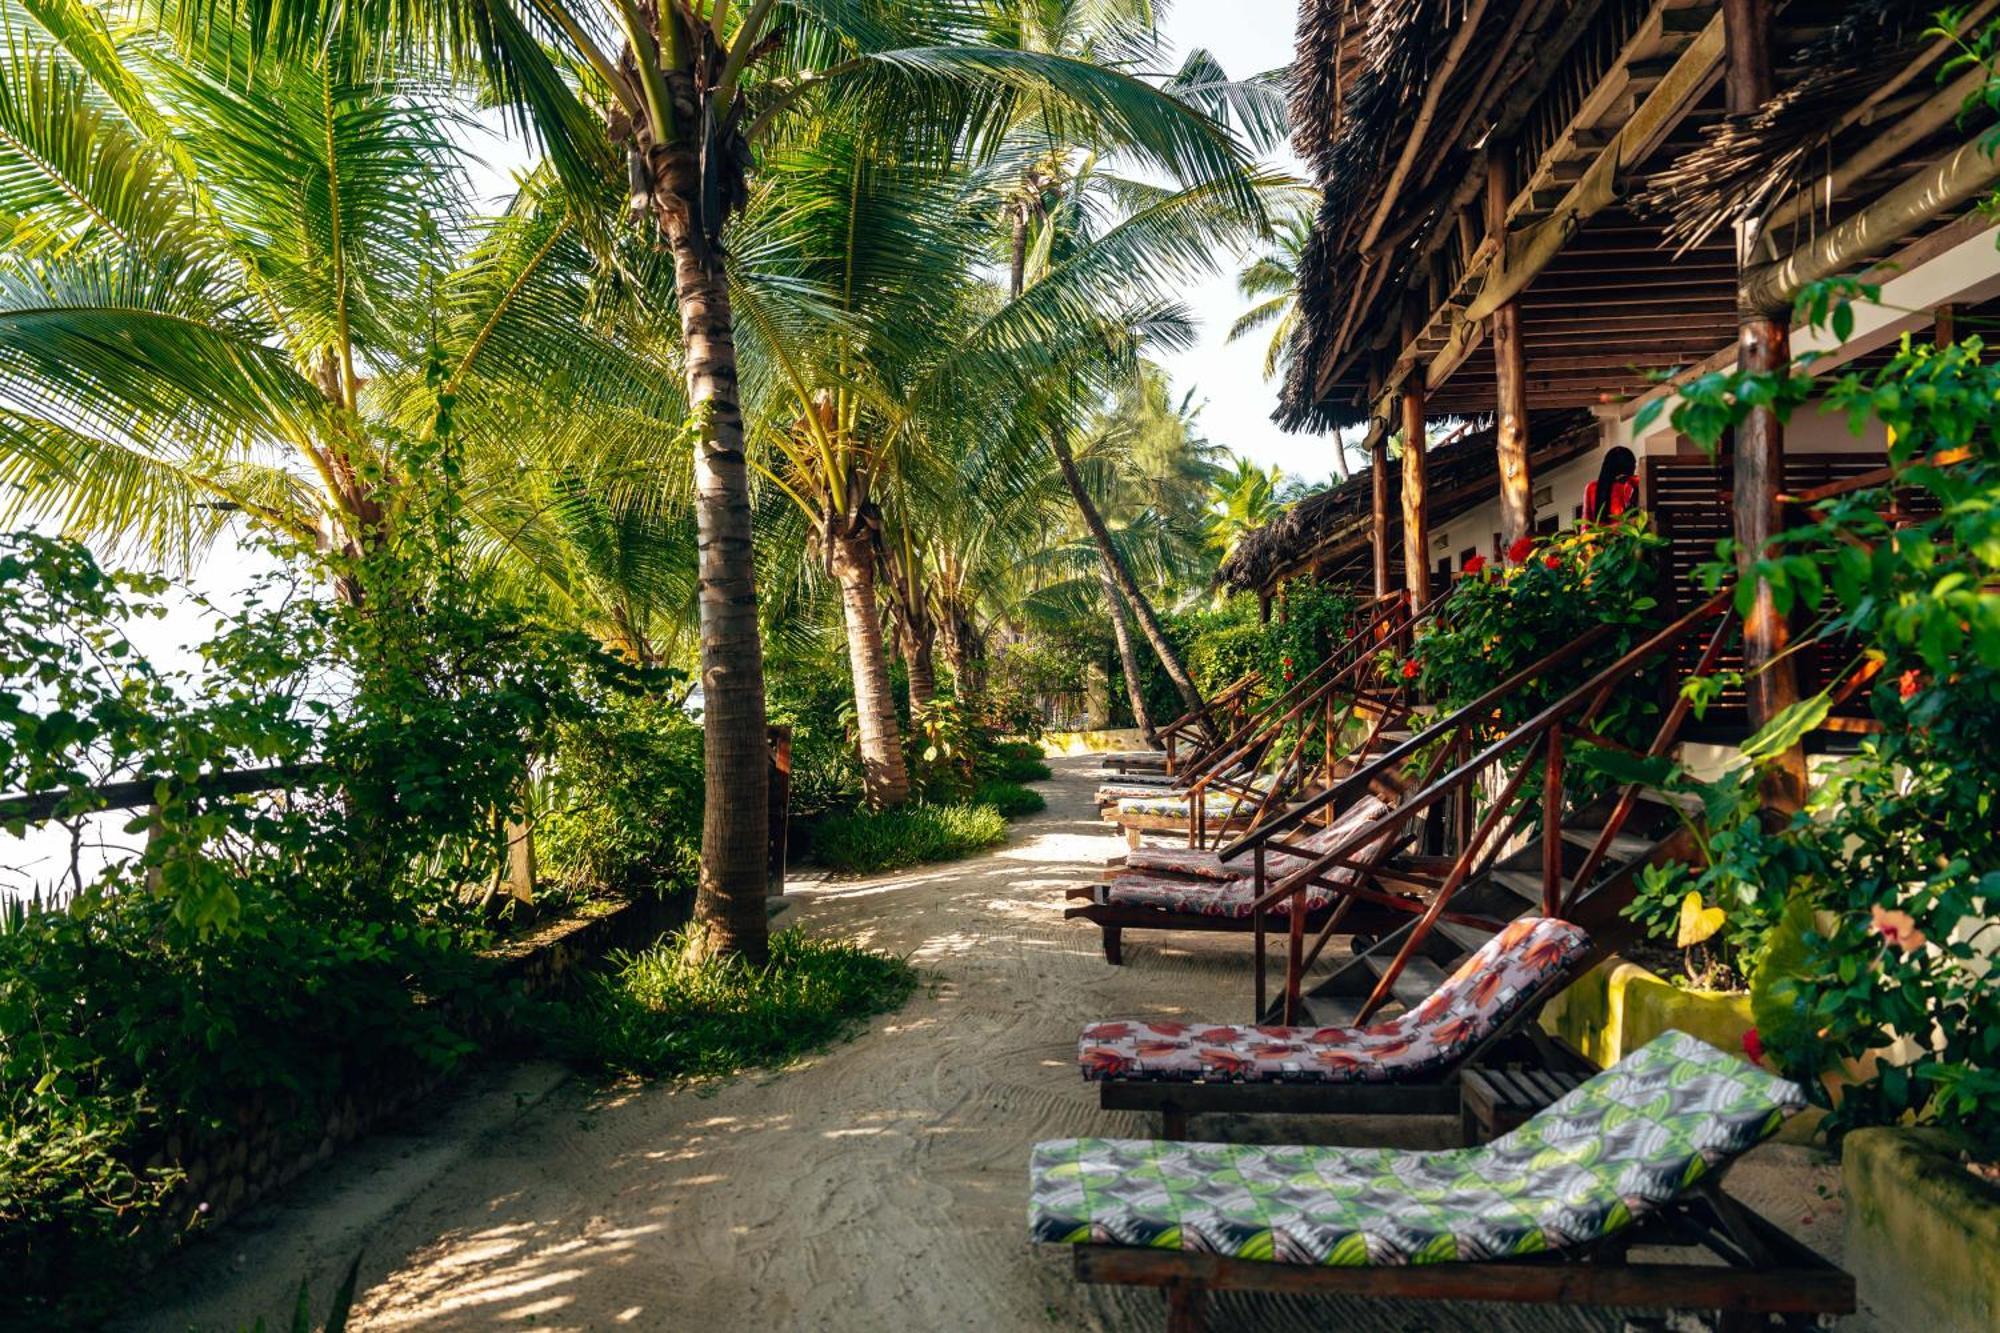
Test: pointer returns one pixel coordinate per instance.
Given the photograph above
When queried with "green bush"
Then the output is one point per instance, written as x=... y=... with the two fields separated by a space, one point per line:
x=660 y=1015
x=624 y=806
x=1016 y=761
x=819 y=708
x=866 y=841
x=1011 y=799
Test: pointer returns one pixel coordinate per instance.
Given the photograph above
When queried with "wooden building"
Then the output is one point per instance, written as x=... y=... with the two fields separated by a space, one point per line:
x=1542 y=209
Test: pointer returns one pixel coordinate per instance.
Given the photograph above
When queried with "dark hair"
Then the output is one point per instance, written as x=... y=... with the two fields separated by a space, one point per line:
x=1618 y=466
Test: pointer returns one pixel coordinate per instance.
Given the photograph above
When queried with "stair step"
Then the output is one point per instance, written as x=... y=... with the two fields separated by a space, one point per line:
x=1684 y=801
x=1469 y=938
x=1624 y=847
x=1418 y=979
x=1526 y=884
x=1330 y=1011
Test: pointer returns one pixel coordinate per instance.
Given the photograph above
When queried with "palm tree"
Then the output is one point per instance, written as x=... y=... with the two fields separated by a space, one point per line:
x=1245 y=499
x=694 y=92
x=267 y=300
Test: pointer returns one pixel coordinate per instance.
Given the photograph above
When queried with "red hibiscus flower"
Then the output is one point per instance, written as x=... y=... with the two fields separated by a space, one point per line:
x=1909 y=683
x=1520 y=549
x=1474 y=565
x=1410 y=668
x=1552 y=562
x=1753 y=1046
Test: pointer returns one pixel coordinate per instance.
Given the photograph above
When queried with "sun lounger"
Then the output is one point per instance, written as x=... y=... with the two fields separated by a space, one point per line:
x=1407 y=1064
x=1547 y=1214
x=1162 y=900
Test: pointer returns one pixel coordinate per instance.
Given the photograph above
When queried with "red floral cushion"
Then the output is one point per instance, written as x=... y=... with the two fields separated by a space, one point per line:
x=1485 y=991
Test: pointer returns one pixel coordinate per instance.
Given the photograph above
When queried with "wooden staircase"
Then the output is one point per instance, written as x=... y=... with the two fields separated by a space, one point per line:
x=1510 y=888
x=1482 y=833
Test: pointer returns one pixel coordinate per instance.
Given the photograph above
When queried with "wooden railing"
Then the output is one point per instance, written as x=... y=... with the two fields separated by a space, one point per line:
x=1337 y=690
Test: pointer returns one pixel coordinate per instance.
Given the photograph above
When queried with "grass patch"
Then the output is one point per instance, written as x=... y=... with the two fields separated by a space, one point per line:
x=1011 y=799
x=871 y=840
x=659 y=1015
x=1019 y=761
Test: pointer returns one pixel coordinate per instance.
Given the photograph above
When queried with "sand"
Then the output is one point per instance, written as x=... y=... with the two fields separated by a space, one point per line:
x=878 y=1185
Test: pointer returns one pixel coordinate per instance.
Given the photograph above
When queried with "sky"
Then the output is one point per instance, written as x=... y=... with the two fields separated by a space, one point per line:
x=1247 y=37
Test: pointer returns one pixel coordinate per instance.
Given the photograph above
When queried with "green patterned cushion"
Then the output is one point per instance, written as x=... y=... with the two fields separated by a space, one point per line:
x=1626 y=1142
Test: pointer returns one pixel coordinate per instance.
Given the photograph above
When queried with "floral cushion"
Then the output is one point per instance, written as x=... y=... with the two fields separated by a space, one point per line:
x=1617 y=1147
x=1217 y=804
x=1488 y=989
x=1200 y=897
x=1207 y=865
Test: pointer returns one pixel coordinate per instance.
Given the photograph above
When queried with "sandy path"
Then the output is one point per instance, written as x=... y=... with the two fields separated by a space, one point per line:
x=880 y=1185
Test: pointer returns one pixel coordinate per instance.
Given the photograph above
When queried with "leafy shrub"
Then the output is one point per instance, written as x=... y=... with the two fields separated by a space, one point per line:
x=826 y=766
x=657 y=1013
x=255 y=949
x=1011 y=799
x=866 y=841
x=1877 y=988
x=1315 y=619
x=1551 y=592
x=625 y=800
x=1017 y=761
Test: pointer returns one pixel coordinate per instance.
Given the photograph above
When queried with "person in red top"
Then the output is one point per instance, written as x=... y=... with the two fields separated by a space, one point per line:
x=1616 y=489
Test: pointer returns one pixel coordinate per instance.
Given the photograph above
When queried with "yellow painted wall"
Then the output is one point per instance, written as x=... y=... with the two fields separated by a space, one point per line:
x=1923 y=1236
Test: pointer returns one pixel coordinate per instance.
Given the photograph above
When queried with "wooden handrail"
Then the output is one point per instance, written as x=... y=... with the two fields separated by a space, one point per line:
x=38 y=807
x=1361 y=778
x=1588 y=697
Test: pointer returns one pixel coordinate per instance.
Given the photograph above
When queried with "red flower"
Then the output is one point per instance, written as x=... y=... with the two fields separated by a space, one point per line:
x=1410 y=668
x=1519 y=550
x=1473 y=565
x=1753 y=1046
x=1552 y=562
x=1909 y=683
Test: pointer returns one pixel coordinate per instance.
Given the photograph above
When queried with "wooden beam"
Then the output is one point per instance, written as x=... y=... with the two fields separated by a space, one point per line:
x=1378 y=477
x=1517 y=510
x=1530 y=251
x=1949 y=183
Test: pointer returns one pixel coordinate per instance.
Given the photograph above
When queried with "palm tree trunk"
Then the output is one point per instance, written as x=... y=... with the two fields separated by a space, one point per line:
x=1128 y=658
x=730 y=914
x=884 y=776
x=1121 y=577
x=918 y=661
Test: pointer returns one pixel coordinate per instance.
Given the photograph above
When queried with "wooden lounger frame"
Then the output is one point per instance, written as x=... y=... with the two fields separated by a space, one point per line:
x=1763 y=1272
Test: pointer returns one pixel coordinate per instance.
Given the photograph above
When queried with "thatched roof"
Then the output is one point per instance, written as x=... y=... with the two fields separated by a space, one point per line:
x=1749 y=163
x=1371 y=130
x=1397 y=103
x=1332 y=522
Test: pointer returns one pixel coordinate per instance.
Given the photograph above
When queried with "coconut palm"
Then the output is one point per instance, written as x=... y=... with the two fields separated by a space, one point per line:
x=693 y=92
x=1246 y=498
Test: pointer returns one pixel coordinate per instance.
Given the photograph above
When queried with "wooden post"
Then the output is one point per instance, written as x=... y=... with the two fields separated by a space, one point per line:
x=1945 y=331
x=1378 y=478
x=1763 y=345
x=780 y=798
x=1517 y=511
x=1378 y=523
x=1416 y=501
